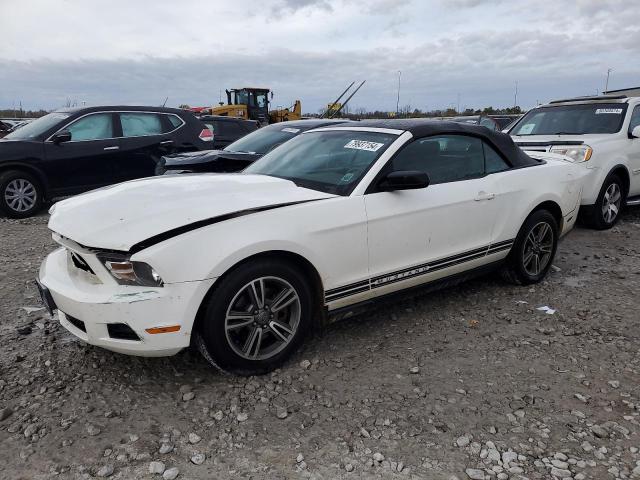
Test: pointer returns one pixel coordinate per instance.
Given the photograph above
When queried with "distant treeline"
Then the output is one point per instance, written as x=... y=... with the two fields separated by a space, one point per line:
x=17 y=113
x=407 y=112
x=355 y=114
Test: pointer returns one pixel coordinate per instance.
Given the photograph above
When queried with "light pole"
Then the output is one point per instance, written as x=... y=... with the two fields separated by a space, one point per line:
x=606 y=86
x=398 y=99
x=515 y=97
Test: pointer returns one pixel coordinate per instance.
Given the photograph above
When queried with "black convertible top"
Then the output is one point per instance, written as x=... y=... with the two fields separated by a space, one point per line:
x=422 y=127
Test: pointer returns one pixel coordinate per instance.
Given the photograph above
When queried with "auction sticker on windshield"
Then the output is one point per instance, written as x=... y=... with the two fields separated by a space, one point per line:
x=616 y=111
x=364 y=145
x=291 y=130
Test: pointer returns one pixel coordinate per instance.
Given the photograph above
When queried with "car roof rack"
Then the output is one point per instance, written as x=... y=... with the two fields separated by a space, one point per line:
x=598 y=97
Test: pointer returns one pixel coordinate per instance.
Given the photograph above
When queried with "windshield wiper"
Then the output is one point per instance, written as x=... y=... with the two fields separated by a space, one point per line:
x=567 y=133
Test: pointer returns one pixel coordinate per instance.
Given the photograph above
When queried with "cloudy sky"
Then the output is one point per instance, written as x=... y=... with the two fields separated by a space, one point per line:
x=142 y=51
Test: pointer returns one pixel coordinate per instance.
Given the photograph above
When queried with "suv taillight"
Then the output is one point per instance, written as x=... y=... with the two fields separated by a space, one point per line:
x=206 y=135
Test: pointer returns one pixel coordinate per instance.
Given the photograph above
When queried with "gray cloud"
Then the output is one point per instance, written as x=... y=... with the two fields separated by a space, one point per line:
x=292 y=6
x=478 y=52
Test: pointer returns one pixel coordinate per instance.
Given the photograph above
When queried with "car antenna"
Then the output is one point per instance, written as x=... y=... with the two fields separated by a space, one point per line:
x=347 y=100
x=165 y=101
x=337 y=100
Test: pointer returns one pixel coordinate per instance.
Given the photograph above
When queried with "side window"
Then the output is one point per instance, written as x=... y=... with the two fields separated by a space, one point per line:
x=447 y=158
x=492 y=161
x=136 y=124
x=98 y=126
x=174 y=120
x=635 y=118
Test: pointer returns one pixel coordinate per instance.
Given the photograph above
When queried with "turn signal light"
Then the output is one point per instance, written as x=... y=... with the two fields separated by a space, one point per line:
x=154 y=330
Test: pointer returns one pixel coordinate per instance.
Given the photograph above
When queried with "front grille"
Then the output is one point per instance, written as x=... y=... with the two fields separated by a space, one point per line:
x=79 y=324
x=121 y=331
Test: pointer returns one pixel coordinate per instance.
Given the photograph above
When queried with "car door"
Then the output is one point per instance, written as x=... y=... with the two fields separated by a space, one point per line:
x=229 y=132
x=146 y=137
x=87 y=160
x=420 y=235
x=220 y=138
x=633 y=153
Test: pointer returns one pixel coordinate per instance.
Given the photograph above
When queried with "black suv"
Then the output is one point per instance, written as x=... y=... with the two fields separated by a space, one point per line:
x=73 y=150
x=243 y=152
x=227 y=130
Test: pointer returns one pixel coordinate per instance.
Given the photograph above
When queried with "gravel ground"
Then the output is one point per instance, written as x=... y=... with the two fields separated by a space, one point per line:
x=471 y=382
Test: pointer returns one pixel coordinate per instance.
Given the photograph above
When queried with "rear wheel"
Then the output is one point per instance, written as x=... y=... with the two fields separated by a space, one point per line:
x=606 y=211
x=534 y=249
x=256 y=318
x=20 y=194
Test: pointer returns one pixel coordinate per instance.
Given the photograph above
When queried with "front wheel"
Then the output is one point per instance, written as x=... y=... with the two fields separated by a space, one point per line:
x=20 y=194
x=534 y=249
x=606 y=211
x=256 y=318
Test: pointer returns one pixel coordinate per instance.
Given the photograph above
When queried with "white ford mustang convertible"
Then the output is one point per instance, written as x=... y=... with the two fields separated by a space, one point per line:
x=243 y=266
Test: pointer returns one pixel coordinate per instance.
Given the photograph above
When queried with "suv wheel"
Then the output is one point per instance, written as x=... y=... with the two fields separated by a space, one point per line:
x=534 y=249
x=606 y=212
x=20 y=194
x=256 y=318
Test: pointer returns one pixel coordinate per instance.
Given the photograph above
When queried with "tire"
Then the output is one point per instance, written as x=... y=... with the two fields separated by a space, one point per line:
x=606 y=211
x=20 y=194
x=256 y=343
x=520 y=268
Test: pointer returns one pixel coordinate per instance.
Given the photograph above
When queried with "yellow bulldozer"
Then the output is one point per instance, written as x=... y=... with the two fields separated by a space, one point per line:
x=253 y=104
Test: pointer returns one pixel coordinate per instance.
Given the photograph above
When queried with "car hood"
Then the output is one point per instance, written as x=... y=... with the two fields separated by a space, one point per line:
x=528 y=140
x=124 y=215
x=182 y=160
x=17 y=149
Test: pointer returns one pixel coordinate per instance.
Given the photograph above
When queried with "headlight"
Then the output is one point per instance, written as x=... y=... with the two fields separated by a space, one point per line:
x=127 y=272
x=577 y=153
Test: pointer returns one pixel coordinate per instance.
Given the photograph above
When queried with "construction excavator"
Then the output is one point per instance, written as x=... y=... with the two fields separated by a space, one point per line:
x=253 y=104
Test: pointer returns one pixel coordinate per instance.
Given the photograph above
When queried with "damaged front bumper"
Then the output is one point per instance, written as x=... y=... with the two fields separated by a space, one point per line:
x=118 y=317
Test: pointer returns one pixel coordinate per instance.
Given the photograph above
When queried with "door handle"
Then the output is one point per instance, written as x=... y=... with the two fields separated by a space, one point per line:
x=166 y=142
x=111 y=148
x=485 y=196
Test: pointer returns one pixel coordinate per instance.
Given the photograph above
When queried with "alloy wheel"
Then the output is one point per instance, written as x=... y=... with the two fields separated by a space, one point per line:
x=611 y=203
x=20 y=195
x=262 y=318
x=538 y=248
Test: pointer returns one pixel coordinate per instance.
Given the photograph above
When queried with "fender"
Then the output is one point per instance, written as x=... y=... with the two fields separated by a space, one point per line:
x=625 y=168
x=19 y=165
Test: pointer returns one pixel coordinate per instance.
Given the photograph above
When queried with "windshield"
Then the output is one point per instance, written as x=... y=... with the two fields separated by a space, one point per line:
x=572 y=119
x=263 y=140
x=330 y=161
x=37 y=127
x=473 y=120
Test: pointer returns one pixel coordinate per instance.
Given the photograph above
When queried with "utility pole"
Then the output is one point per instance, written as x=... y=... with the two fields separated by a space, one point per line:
x=458 y=110
x=606 y=86
x=515 y=97
x=398 y=99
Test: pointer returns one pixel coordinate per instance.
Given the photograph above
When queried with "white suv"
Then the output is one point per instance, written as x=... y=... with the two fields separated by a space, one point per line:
x=601 y=133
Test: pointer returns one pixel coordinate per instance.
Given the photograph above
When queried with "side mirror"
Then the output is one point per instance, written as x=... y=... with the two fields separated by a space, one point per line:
x=635 y=133
x=404 y=180
x=61 y=137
